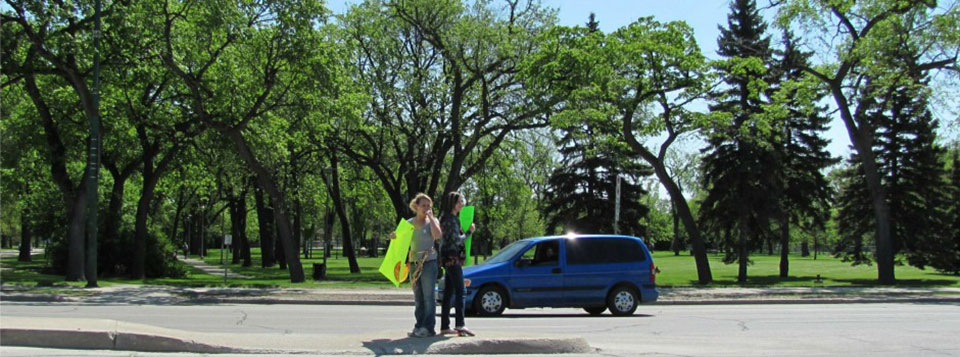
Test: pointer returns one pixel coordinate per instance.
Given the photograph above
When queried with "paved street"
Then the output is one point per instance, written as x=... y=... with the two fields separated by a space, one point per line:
x=834 y=329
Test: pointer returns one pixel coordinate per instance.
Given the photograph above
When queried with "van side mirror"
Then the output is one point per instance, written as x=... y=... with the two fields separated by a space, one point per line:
x=521 y=263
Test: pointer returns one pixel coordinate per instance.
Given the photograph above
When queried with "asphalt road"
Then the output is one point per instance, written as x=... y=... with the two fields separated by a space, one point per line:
x=743 y=330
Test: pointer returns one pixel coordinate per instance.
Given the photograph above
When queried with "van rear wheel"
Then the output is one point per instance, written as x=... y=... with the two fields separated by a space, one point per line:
x=595 y=310
x=623 y=300
x=490 y=301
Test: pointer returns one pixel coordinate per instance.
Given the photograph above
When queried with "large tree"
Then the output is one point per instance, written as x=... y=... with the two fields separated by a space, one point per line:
x=740 y=166
x=855 y=32
x=445 y=94
x=801 y=147
x=643 y=77
x=239 y=65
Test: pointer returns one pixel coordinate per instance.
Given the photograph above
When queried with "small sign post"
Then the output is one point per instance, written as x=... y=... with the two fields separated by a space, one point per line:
x=225 y=248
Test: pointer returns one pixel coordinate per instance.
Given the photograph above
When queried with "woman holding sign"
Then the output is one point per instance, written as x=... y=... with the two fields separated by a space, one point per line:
x=424 y=260
x=452 y=256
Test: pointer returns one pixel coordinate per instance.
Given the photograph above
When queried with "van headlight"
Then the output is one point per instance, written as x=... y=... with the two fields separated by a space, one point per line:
x=466 y=283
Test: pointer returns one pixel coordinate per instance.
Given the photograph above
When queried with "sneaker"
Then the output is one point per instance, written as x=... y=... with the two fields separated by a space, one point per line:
x=447 y=331
x=414 y=332
x=463 y=331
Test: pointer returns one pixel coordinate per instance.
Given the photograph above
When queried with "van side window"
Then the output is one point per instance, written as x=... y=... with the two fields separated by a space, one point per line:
x=543 y=254
x=603 y=250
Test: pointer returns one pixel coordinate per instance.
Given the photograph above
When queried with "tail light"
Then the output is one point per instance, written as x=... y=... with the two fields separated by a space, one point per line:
x=653 y=274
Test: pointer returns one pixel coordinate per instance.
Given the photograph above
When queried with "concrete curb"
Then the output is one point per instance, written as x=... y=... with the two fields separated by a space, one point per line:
x=102 y=334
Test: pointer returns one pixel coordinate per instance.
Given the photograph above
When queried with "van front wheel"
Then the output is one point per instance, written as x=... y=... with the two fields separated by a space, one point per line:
x=490 y=301
x=623 y=301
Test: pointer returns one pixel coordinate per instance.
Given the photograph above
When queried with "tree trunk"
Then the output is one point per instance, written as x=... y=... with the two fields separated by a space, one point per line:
x=278 y=245
x=699 y=249
x=862 y=138
x=233 y=203
x=77 y=238
x=298 y=222
x=704 y=275
x=784 y=246
x=242 y=229
x=805 y=249
x=328 y=222
x=264 y=219
x=742 y=251
x=334 y=188
x=25 y=236
x=112 y=220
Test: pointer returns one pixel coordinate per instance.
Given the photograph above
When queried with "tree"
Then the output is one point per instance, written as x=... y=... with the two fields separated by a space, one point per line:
x=909 y=161
x=582 y=193
x=57 y=41
x=643 y=76
x=801 y=148
x=740 y=166
x=278 y=50
x=862 y=30
x=443 y=86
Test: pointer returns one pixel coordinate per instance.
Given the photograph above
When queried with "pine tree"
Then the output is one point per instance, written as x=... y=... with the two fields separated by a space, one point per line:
x=581 y=194
x=950 y=261
x=737 y=166
x=803 y=153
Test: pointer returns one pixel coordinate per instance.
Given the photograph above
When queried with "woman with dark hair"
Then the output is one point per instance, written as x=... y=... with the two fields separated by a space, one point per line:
x=452 y=256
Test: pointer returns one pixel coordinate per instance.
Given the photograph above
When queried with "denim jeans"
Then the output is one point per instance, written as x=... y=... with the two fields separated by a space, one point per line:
x=423 y=296
x=452 y=295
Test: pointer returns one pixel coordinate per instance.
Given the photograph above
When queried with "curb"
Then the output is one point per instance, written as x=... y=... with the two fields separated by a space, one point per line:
x=101 y=334
x=98 y=334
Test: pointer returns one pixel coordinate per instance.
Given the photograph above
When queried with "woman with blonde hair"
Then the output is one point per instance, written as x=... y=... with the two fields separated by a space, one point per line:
x=423 y=261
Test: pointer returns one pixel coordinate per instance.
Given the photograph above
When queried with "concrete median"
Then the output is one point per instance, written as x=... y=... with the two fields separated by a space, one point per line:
x=102 y=334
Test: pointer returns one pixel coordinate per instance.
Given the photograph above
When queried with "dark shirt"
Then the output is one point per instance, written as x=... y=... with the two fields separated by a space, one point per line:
x=452 y=241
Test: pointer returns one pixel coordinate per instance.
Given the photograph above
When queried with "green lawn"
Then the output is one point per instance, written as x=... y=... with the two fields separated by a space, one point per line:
x=675 y=271
x=765 y=271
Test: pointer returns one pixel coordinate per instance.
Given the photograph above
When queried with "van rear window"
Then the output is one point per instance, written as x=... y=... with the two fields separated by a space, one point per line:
x=603 y=250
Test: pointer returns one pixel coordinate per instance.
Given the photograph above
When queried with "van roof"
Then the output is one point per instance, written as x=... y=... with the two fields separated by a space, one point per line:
x=577 y=236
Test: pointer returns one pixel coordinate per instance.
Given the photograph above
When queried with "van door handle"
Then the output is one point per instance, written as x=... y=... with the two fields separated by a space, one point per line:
x=555 y=271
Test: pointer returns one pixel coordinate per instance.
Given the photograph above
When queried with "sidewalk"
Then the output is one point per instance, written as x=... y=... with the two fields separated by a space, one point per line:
x=155 y=294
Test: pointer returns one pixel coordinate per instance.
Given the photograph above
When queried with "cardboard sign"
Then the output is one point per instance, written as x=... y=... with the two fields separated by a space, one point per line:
x=466 y=219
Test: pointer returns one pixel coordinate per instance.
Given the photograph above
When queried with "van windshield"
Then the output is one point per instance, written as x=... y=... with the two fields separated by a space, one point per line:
x=506 y=253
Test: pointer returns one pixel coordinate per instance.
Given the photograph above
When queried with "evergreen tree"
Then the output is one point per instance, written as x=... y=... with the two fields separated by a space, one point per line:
x=950 y=261
x=739 y=162
x=802 y=151
x=581 y=194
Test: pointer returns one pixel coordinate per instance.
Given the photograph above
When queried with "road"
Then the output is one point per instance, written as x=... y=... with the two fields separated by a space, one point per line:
x=742 y=330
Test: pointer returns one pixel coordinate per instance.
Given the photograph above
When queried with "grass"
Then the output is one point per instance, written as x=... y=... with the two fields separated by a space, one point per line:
x=765 y=271
x=676 y=271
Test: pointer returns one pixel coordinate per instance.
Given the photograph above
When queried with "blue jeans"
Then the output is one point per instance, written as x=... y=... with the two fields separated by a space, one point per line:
x=426 y=302
x=452 y=295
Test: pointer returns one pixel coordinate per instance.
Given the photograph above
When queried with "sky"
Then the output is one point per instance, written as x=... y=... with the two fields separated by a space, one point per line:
x=702 y=15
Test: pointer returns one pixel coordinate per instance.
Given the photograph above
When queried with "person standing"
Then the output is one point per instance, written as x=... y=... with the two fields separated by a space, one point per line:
x=422 y=265
x=452 y=256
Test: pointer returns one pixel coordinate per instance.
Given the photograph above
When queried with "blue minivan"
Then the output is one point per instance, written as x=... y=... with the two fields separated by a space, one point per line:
x=593 y=272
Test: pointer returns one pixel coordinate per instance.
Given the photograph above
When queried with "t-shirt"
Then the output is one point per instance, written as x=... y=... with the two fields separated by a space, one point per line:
x=422 y=242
